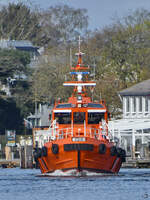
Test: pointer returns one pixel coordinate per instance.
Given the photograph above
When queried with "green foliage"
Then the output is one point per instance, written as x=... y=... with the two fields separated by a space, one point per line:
x=21 y=92
x=48 y=78
x=17 y=22
x=13 y=63
x=122 y=56
x=47 y=27
x=120 y=52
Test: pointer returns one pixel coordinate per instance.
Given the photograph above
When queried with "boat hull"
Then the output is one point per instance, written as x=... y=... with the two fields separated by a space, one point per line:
x=92 y=155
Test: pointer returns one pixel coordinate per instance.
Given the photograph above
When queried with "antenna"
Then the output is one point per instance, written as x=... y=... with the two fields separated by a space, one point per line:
x=79 y=43
x=94 y=69
x=100 y=96
x=70 y=57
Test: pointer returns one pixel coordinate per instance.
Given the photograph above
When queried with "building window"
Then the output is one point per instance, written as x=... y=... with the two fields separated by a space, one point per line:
x=146 y=104
x=127 y=104
x=134 y=104
x=140 y=104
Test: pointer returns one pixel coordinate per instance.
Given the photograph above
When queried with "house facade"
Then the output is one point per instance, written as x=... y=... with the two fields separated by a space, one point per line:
x=136 y=101
x=133 y=131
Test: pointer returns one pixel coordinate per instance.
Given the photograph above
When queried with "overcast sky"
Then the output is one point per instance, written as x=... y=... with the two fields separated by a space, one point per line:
x=100 y=12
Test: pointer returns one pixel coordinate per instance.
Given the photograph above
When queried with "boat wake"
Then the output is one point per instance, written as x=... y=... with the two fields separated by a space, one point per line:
x=75 y=173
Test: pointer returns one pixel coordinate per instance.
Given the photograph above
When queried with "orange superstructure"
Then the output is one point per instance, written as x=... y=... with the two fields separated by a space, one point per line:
x=79 y=132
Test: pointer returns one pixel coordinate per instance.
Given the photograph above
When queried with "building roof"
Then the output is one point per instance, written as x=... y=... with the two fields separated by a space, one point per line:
x=140 y=89
x=18 y=44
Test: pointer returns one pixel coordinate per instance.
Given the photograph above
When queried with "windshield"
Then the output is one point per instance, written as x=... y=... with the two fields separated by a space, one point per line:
x=63 y=118
x=78 y=117
x=95 y=118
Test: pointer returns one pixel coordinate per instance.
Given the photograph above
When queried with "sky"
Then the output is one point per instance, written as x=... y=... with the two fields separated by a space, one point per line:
x=101 y=12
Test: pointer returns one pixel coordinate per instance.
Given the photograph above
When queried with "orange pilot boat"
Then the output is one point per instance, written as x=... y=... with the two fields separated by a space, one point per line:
x=79 y=132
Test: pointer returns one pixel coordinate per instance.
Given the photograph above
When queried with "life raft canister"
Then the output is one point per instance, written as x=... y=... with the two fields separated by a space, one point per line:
x=119 y=152
x=55 y=148
x=113 y=151
x=102 y=148
x=44 y=151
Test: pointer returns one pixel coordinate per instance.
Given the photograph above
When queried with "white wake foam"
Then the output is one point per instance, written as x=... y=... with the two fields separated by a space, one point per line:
x=74 y=173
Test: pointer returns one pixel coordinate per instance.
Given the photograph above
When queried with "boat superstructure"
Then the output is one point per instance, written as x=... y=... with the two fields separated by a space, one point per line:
x=79 y=131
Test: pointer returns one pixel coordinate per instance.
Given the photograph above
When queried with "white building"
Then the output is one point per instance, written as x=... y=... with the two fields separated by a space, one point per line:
x=41 y=117
x=133 y=131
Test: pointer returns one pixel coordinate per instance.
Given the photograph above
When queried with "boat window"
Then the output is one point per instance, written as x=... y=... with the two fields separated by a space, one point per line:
x=78 y=117
x=95 y=105
x=63 y=118
x=67 y=105
x=95 y=118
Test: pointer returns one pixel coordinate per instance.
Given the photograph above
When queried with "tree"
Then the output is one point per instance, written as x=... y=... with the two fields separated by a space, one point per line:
x=17 y=22
x=15 y=73
x=61 y=24
x=43 y=27
x=13 y=63
x=70 y=22
x=48 y=78
x=10 y=116
x=122 y=56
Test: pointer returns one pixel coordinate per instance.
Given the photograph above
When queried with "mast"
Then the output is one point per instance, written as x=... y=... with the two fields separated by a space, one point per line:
x=79 y=71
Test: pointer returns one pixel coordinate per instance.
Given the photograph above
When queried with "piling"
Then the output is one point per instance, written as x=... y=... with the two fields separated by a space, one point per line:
x=26 y=156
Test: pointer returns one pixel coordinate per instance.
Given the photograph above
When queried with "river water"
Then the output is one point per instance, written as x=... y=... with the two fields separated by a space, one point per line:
x=20 y=184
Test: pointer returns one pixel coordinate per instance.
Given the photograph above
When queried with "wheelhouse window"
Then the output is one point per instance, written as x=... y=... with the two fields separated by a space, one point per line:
x=95 y=118
x=78 y=117
x=63 y=118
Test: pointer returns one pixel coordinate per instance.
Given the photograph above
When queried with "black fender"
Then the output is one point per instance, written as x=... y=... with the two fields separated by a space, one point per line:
x=113 y=151
x=37 y=153
x=122 y=154
x=44 y=151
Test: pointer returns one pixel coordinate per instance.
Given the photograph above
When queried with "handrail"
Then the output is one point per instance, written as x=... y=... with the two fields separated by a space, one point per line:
x=86 y=132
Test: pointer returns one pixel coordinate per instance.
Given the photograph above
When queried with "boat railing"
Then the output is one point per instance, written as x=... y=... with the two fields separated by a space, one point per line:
x=96 y=133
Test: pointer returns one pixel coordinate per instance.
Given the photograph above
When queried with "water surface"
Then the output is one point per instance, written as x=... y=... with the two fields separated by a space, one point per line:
x=19 y=184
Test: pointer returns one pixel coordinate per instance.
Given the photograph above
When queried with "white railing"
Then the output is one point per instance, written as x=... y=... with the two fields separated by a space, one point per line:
x=76 y=132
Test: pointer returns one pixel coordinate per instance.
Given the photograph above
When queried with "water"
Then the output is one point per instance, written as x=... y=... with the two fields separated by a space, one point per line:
x=18 y=184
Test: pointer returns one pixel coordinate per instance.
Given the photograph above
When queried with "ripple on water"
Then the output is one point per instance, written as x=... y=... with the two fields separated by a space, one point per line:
x=21 y=184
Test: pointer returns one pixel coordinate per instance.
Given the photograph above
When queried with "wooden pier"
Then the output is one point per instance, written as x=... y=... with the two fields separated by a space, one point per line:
x=137 y=163
x=9 y=163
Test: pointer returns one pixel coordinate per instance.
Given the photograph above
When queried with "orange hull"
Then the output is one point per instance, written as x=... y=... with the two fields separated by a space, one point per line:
x=81 y=156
